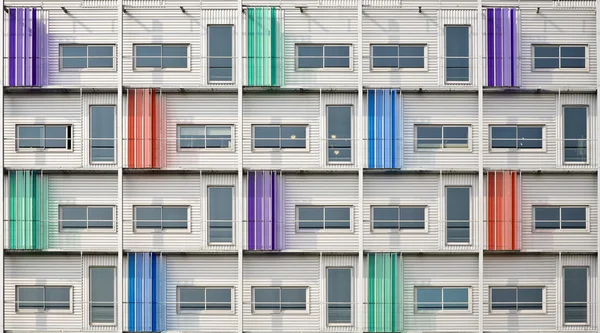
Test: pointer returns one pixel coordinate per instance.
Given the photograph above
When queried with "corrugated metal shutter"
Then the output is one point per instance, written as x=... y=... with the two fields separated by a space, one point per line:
x=504 y=210
x=146 y=292
x=385 y=294
x=265 y=44
x=503 y=47
x=265 y=211
x=385 y=129
x=146 y=129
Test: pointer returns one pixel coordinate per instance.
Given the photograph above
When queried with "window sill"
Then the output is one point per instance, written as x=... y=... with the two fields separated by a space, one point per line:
x=151 y=70
x=517 y=312
x=575 y=324
x=518 y=151
x=445 y=312
x=205 y=150
x=561 y=231
x=206 y=312
x=43 y=150
x=269 y=313
x=340 y=163
x=280 y=150
x=323 y=231
x=157 y=231
x=87 y=231
x=444 y=150
x=560 y=70
x=575 y=163
x=340 y=325
x=103 y=324
x=57 y=312
x=220 y=244
x=220 y=83
x=321 y=70
x=400 y=231
x=395 y=70
x=83 y=70
x=459 y=244
x=459 y=83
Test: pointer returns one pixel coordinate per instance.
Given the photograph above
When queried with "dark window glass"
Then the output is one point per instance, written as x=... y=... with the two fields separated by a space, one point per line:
x=102 y=295
x=407 y=218
x=458 y=214
x=517 y=299
x=576 y=295
x=209 y=136
x=323 y=56
x=44 y=136
x=517 y=137
x=555 y=56
x=86 y=217
x=220 y=53
x=86 y=56
x=546 y=57
x=161 y=217
x=102 y=133
x=437 y=137
x=457 y=53
x=317 y=218
x=560 y=217
x=398 y=56
x=43 y=298
x=436 y=299
x=204 y=299
x=220 y=214
x=339 y=133
x=575 y=129
x=339 y=295
x=284 y=136
x=161 y=56
x=280 y=299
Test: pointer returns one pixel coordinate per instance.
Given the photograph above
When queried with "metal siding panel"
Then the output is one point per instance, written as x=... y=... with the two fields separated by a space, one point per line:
x=467 y=180
x=346 y=262
x=588 y=100
x=87 y=262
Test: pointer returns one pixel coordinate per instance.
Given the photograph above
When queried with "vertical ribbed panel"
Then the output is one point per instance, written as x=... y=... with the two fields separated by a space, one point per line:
x=503 y=47
x=28 y=210
x=385 y=292
x=385 y=122
x=504 y=210
x=265 y=211
x=146 y=129
x=27 y=47
x=265 y=44
x=146 y=292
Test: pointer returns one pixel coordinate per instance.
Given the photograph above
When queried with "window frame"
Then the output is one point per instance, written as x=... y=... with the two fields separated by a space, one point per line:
x=161 y=69
x=17 y=310
x=233 y=62
x=61 y=229
x=70 y=140
x=270 y=312
x=400 y=69
x=559 y=69
x=399 y=230
x=544 y=298
x=470 y=242
x=469 y=299
x=307 y=140
x=90 y=126
x=469 y=56
x=560 y=229
x=352 y=134
x=324 y=69
x=517 y=149
x=188 y=150
x=179 y=311
x=352 y=297
x=87 y=68
x=233 y=211
x=162 y=230
x=114 y=297
x=323 y=230
x=588 y=285
x=444 y=150
x=588 y=130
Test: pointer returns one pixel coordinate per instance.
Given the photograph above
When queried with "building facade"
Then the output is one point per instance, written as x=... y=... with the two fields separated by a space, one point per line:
x=303 y=166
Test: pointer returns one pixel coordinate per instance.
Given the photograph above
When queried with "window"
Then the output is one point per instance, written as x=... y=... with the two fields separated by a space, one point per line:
x=457 y=54
x=339 y=134
x=517 y=137
x=563 y=218
x=517 y=298
x=323 y=218
x=102 y=134
x=279 y=299
x=458 y=214
x=161 y=56
x=280 y=136
x=194 y=299
x=220 y=53
x=559 y=57
x=87 y=57
x=86 y=217
x=102 y=295
x=576 y=295
x=220 y=214
x=161 y=217
x=442 y=137
x=323 y=56
x=398 y=218
x=339 y=296
x=44 y=137
x=204 y=136
x=442 y=299
x=397 y=56
x=575 y=131
x=43 y=298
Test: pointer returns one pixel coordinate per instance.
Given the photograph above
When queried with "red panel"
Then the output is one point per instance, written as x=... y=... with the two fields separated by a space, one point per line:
x=145 y=124
x=503 y=211
x=130 y=128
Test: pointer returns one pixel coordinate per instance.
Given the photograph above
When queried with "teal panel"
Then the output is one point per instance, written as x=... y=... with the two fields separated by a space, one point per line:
x=385 y=292
x=28 y=210
x=265 y=47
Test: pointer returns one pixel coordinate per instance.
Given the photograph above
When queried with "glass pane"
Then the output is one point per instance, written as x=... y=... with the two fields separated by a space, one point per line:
x=504 y=137
x=148 y=217
x=56 y=137
x=457 y=53
x=100 y=56
x=504 y=299
x=429 y=299
x=102 y=294
x=409 y=62
x=575 y=129
x=530 y=298
x=220 y=41
x=148 y=56
x=218 y=299
x=386 y=217
x=293 y=299
x=546 y=57
x=458 y=214
x=337 y=56
x=31 y=136
x=267 y=299
x=218 y=136
x=74 y=217
x=293 y=137
x=456 y=299
x=310 y=57
x=74 y=57
x=572 y=57
x=192 y=137
x=337 y=218
x=100 y=217
x=412 y=57
x=429 y=137
x=102 y=133
x=456 y=137
x=31 y=298
x=385 y=56
x=220 y=214
x=547 y=217
x=573 y=218
x=339 y=295
x=412 y=218
x=339 y=133
x=529 y=137
x=191 y=299
x=266 y=137
x=175 y=217
x=58 y=298
x=174 y=56
x=576 y=294
x=311 y=217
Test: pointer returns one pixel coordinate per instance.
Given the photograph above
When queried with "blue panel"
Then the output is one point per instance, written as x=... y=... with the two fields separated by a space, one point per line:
x=371 y=141
x=384 y=123
x=145 y=291
x=131 y=291
x=154 y=293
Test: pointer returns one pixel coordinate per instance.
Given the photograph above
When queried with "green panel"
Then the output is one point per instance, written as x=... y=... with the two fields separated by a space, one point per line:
x=385 y=292
x=264 y=47
x=28 y=210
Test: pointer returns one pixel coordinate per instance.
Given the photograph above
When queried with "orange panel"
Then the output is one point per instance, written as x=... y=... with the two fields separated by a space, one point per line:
x=145 y=129
x=503 y=210
x=130 y=128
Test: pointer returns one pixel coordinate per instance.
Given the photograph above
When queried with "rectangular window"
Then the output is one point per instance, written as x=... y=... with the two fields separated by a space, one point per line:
x=161 y=217
x=517 y=137
x=339 y=296
x=457 y=54
x=398 y=218
x=323 y=56
x=442 y=137
x=575 y=131
x=458 y=214
x=102 y=134
x=220 y=53
x=167 y=56
x=279 y=136
x=560 y=218
x=323 y=218
x=339 y=134
x=560 y=57
x=44 y=137
x=74 y=57
x=279 y=299
x=86 y=217
x=43 y=298
x=397 y=56
x=204 y=136
x=517 y=298
x=194 y=299
x=102 y=295
x=442 y=299
x=220 y=214
x=576 y=295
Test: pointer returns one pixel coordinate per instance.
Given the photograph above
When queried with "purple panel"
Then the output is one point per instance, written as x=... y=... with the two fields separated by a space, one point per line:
x=264 y=211
x=27 y=40
x=260 y=221
x=502 y=47
x=34 y=37
x=12 y=50
x=20 y=37
x=490 y=48
x=506 y=47
x=251 y=210
x=498 y=42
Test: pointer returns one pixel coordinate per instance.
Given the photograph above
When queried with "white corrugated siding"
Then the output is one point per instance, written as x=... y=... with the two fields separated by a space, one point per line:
x=285 y=271
x=78 y=189
x=87 y=101
x=588 y=100
x=201 y=271
x=440 y=271
x=520 y=109
x=590 y=261
x=332 y=99
x=439 y=109
x=557 y=189
x=467 y=180
x=458 y=17
x=403 y=190
x=345 y=262
x=326 y=190
x=94 y=261
x=48 y=109
x=200 y=109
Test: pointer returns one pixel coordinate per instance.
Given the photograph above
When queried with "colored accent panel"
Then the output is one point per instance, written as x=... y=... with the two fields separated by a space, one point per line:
x=146 y=129
x=265 y=211
x=146 y=294
x=265 y=44
x=503 y=47
x=27 y=47
x=28 y=210
x=385 y=120
x=385 y=292
x=504 y=206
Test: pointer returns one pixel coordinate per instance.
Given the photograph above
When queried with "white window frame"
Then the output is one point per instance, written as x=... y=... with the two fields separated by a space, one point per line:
x=400 y=69
x=91 y=161
x=444 y=150
x=292 y=150
x=268 y=312
x=90 y=297
x=587 y=58
x=203 y=312
x=352 y=139
x=469 y=300
x=543 y=310
x=70 y=130
x=161 y=69
x=233 y=210
x=470 y=242
x=588 y=308
x=325 y=69
x=86 y=230
x=588 y=129
x=517 y=150
x=17 y=310
x=188 y=150
x=161 y=230
x=233 y=53
x=323 y=230
x=561 y=230
x=469 y=36
x=87 y=69
x=425 y=229
x=352 y=297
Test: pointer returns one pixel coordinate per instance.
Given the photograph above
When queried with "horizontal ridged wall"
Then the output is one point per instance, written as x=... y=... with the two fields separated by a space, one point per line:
x=146 y=292
x=28 y=210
